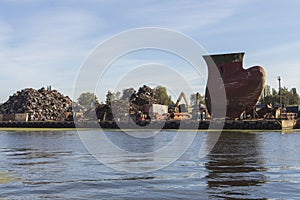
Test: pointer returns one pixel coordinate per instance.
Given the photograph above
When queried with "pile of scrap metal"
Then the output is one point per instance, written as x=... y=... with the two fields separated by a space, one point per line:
x=270 y=112
x=144 y=96
x=135 y=105
x=36 y=105
x=267 y=112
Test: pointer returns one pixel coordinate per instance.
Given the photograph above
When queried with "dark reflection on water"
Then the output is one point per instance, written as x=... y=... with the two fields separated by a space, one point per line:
x=55 y=165
x=131 y=141
x=235 y=167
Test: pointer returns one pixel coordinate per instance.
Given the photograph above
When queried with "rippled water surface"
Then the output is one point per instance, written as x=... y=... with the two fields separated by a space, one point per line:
x=242 y=165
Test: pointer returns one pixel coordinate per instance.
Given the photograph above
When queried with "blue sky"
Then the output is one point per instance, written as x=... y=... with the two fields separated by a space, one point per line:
x=45 y=42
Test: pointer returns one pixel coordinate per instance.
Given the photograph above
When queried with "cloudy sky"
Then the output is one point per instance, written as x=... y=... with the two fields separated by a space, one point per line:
x=46 y=42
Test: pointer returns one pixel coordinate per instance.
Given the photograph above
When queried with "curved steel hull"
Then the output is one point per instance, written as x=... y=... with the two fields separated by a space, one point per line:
x=243 y=87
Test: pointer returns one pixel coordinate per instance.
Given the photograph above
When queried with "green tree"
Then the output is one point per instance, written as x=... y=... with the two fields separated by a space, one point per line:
x=289 y=97
x=110 y=97
x=267 y=91
x=294 y=97
x=162 y=95
x=194 y=98
x=127 y=93
x=86 y=99
x=117 y=95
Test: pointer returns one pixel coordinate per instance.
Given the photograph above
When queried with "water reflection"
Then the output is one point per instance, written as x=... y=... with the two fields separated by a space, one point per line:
x=235 y=167
x=128 y=141
x=122 y=152
x=55 y=165
x=35 y=155
x=6 y=177
x=34 y=148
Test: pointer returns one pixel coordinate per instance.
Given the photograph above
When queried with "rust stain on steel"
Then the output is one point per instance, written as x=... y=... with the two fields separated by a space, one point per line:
x=243 y=87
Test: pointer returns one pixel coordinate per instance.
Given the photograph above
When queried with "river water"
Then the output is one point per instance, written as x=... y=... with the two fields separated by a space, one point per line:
x=242 y=165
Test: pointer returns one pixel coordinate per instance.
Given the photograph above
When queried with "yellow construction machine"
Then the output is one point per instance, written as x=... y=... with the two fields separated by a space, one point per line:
x=181 y=111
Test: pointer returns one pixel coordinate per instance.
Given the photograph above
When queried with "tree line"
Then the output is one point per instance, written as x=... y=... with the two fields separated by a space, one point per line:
x=88 y=98
x=269 y=96
x=272 y=96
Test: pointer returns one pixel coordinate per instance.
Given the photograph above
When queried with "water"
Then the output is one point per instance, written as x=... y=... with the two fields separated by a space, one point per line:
x=55 y=165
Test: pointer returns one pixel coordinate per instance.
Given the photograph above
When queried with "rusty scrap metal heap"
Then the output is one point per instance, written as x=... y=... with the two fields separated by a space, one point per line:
x=144 y=96
x=118 y=109
x=127 y=106
x=41 y=105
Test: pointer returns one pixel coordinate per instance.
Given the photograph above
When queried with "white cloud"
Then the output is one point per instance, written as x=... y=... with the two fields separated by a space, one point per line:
x=282 y=60
x=47 y=44
x=187 y=16
x=46 y=48
x=5 y=31
x=283 y=49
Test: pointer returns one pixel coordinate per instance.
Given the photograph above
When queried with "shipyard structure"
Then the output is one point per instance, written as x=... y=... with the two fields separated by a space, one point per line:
x=243 y=87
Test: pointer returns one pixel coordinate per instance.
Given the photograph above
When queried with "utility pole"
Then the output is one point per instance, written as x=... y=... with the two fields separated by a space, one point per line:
x=280 y=96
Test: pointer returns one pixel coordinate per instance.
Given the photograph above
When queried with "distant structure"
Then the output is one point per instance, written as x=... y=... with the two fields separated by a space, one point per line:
x=49 y=88
x=242 y=87
x=279 y=91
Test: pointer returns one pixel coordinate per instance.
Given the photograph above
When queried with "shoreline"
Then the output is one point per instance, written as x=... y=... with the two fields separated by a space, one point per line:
x=247 y=131
x=171 y=124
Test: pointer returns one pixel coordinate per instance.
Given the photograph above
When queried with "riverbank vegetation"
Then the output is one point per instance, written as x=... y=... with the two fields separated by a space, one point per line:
x=272 y=96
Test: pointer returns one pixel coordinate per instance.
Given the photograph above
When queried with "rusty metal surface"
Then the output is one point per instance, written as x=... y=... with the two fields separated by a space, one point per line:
x=243 y=87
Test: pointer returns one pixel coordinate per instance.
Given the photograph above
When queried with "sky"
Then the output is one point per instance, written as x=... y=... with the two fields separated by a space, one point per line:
x=46 y=42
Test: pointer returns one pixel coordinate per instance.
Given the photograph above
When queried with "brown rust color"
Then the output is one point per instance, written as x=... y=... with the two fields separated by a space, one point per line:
x=243 y=87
